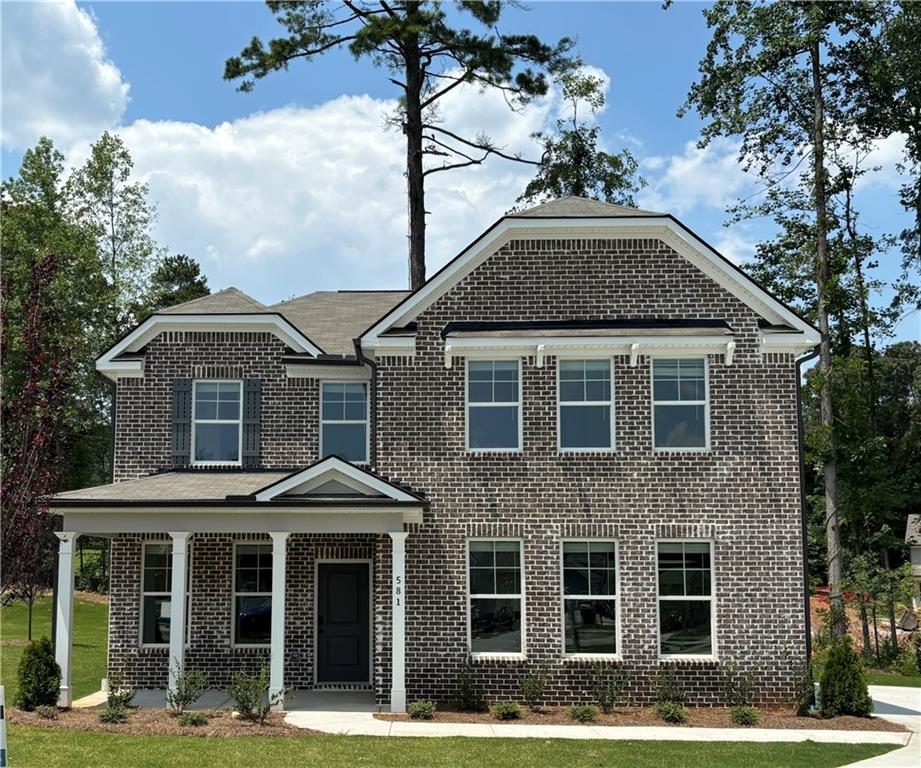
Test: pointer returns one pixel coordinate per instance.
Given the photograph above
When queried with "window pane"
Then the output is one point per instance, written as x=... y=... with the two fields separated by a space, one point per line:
x=493 y=427
x=572 y=370
x=665 y=390
x=217 y=442
x=205 y=409
x=602 y=554
x=482 y=581
x=480 y=392
x=695 y=389
x=689 y=369
x=333 y=393
x=228 y=410
x=572 y=391
x=345 y=440
x=206 y=390
x=253 y=621
x=575 y=554
x=247 y=555
x=355 y=410
x=685 y=627
x=505 y=392
x=598 y=391
x=591 y=626
x=333 y=411
x=479 y=370
x=680 y=426
x=585 y=426
x=671 y=582
x=603 y=581
x=575 y=581
x=507 y=552
x=506 y=370
x=481 y=553
x=508 y=581
x=495 y=625
x=157 y=580
x=156 y=612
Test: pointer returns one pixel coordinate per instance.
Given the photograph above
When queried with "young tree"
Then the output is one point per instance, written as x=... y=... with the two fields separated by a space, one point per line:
x=175 y=280
x=572 y=161
x=426 y=56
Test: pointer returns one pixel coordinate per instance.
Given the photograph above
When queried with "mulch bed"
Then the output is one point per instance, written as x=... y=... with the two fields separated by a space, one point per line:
x=715 y=717
x=159 y=722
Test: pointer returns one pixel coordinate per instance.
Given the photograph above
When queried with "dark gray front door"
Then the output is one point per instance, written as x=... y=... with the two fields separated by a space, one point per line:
x=343 y=627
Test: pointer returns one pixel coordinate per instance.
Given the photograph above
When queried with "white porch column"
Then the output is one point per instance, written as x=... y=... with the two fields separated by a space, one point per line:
x=398 y=649
x=177 y=628
x=63 y=641
x=277 y=664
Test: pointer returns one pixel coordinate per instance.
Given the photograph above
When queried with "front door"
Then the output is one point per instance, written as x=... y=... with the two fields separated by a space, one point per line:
x=343 y=628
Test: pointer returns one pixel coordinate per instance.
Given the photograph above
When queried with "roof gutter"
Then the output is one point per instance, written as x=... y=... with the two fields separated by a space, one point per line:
x=372 y=420
x=802 y=495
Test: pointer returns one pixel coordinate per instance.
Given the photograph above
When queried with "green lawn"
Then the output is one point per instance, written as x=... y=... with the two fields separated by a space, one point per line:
x=46 y=748
x=91 y=622
x=876 y=677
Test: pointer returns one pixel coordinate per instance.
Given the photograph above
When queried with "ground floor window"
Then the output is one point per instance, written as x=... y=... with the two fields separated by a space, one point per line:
x=495 y=596
x=685 y=598
x=590 y=597
x=156 y=593
x=252 y=594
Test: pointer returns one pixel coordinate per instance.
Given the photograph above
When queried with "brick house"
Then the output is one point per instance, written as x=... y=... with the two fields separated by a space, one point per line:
x=577 y=444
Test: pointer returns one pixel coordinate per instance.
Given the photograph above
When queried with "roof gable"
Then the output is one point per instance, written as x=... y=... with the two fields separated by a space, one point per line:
x=227 y=301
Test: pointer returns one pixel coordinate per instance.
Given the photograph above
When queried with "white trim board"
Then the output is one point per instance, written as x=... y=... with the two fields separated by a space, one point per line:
x=334 y=468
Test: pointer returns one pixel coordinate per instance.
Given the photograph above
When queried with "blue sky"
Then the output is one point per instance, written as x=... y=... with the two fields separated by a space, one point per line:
x=298 y=186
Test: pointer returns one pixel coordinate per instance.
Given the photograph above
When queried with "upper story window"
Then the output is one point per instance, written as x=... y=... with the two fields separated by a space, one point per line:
x=686 y=615
x=585 y=405
x=344 y=420
x=216 y=422
x=680 y=407
x=493 y=405
x=494 y=575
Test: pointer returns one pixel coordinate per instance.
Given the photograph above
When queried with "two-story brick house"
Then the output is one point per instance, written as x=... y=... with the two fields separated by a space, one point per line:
x=576 y=444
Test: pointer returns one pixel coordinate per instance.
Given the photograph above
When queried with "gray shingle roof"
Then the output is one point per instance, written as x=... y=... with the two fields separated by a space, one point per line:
x=580 y=207
x=913 y=530
x=184 y=486
x=228 y=301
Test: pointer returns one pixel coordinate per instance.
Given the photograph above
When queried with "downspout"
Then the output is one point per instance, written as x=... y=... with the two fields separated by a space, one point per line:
x=372 y=459
x=802 y=496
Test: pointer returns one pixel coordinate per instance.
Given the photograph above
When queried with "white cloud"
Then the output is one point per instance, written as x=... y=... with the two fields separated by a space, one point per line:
x=735 y=245
x=56 y=80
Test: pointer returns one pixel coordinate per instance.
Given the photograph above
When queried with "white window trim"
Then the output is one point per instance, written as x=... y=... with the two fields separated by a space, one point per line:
x=468 y=405
x=366 y=421
x=713 y=655
x=238 y=421
x=234 y=594
x=614 y=598
x=521 y=654
x=705 y=403
x=168 y=593
x=577 y=404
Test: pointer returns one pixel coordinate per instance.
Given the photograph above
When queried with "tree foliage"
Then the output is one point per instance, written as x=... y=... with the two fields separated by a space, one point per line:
x=175 y=280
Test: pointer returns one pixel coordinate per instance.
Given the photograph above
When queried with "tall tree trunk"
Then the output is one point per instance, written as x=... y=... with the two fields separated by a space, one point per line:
x=415 y=179
x=832 y=534
x=29 y=603
x=864 y=625
x=890 y=604
x=879 y=663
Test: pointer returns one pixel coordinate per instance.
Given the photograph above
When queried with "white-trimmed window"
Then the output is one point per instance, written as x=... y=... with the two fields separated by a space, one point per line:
x=252 y=594
x=680 y=409
x=495 y=596
x=494 y=405
x=590 y=621
x=585 y=408
x=217 y=433
x=156 y=593
x=344 y=420
x=686 y=610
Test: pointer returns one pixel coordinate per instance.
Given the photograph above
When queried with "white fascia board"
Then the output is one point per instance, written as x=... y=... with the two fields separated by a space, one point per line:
x=155 y=324
x=666 y=229
x=337 y=372
x=334 y=468
x=792 y=343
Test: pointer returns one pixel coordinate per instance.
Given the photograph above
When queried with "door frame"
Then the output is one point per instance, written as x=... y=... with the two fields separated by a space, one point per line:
x=316 y=604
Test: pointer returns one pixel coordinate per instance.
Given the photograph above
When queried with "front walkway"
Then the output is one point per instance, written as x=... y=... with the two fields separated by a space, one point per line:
x=900 y=705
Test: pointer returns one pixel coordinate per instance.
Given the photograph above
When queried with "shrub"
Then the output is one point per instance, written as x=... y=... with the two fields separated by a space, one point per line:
x=671 y=712
x=39 y=676
x=738 y=686
x=193 y=718
x=916 y=647
x=803 y=689
x=668 y=688
x=250 y=694
x=608 y=684
x=743 y=715
x=190 y=684
x=534 y=686
x=421 y=710
x=468 y=695
x=46 y=713
x=506 y=710
x=119 y=696
x=844 y=688
x=584 y=713
x=905 y=663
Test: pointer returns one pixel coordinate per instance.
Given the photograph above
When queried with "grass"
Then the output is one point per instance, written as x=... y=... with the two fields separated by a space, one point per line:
x=878 y=677
x=48 y=747
x=91 y=622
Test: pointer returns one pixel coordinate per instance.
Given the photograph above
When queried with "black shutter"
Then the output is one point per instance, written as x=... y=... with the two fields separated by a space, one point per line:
x=252 y=416
x=182 y=422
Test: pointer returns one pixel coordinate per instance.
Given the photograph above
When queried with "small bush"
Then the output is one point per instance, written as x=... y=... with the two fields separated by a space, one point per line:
x=803 y=690
x=905 y=663
x=46 y=713
x=39 y=676
x=668 y=688
x=916 y=647
x=584 y=713
x=421 y=710
x=119 y=696
x=743 y=715
x=844 y=688
x=738 y=687
x=608 y=683
x=193 y=718
x=250 y=694
x=671 y=712
x=506 y=710
x=113 y=715
x=469 y=697
x=190 y=684
x=534 y=686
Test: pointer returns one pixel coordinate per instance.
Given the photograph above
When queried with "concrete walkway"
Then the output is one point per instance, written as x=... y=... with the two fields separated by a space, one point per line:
x=900 y=705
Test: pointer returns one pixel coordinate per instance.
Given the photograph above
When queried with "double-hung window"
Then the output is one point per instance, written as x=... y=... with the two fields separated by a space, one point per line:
x=344 y=420
x=216 y=430
x=590 y=597
x=495 y=596
x=680 y=408
x=252 y=594
x=493 y=405
x=585 y=405
x=156 y=593
x=686 y=611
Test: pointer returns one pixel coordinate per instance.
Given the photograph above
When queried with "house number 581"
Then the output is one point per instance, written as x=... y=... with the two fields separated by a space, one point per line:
x=398 y=591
